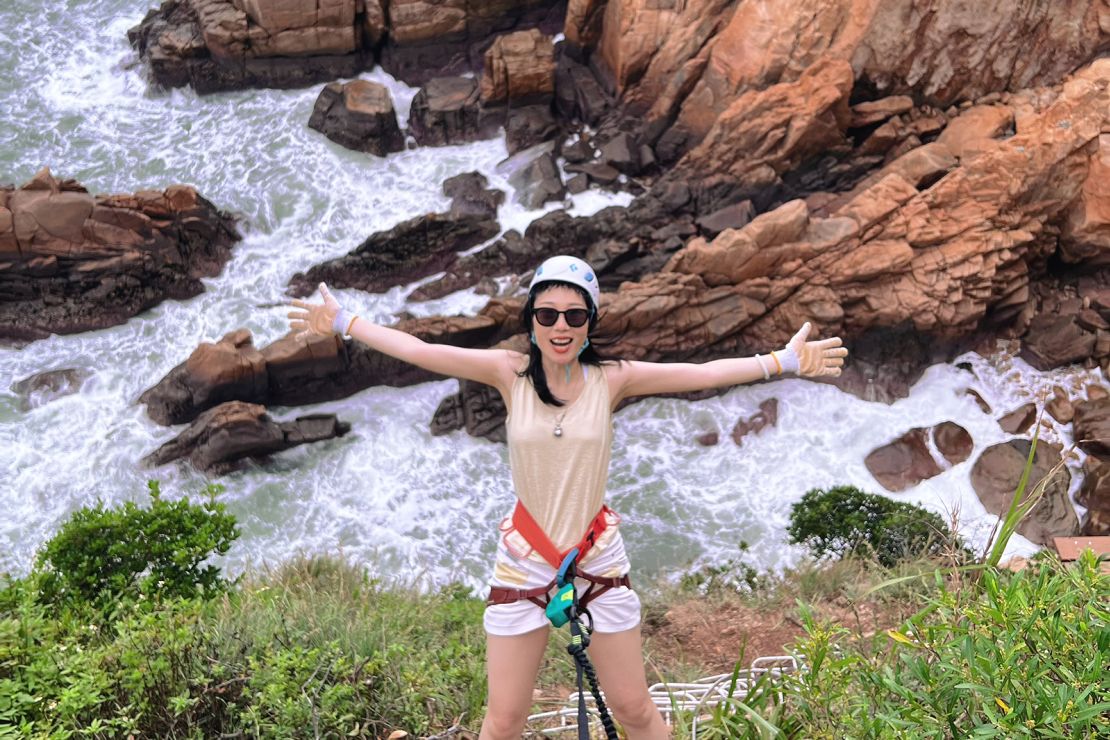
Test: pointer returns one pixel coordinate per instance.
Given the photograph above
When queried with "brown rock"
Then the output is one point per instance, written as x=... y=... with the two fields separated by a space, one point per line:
x=995 y=477
x=358 y=115
x=1086 y=236
x=409 y=251
x=71 y=262
x=970 y=133
x=1059 y=407
x=953 y=441
x=764 y=133
x=706 y=440
x=1091 y=428
x=876 y=111
x=1094 y=494
x=904 y=462
x=979 y=400
x=735 y=216
x=471 y=195
x=1096 y=523
x=1054 y=341
x=527 y=126
x=1097 y=392
x=298 y=371
x=42 y=388
x=519 y=69
x=716 y=51
x=1019 y=420
x=222 y=437
x=767 y=416
x=445 y=112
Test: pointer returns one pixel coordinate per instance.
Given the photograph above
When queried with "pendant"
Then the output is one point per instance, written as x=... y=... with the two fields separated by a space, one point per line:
x=558 y=431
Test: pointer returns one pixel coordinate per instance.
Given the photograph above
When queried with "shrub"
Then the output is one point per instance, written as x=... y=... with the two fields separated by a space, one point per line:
x=846 y=520
x=103 y=554
x=1022 y=656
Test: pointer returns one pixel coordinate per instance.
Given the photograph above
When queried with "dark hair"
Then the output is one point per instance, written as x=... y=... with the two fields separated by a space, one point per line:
x=590 y=356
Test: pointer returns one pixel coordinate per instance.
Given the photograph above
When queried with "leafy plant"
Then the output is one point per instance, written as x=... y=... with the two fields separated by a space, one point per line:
x=1024 y=655
x=845 y=520
x=102 y=554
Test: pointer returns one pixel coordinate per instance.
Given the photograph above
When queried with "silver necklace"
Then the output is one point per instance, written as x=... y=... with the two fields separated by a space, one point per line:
x=558 y=431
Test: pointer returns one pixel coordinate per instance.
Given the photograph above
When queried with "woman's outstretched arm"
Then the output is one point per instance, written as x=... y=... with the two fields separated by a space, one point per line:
x=820 y=358
x=490 y=366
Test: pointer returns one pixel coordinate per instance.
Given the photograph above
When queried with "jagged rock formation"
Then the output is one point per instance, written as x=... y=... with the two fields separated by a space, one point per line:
x=216 y=45
x=995 y=477
x=222 y=438
x=358 y=115
x=292 y=372
x=71 y=261
x=1092 y=434
x=411 y=250
x=909 y=459
x=715 y=51
x=446 y=111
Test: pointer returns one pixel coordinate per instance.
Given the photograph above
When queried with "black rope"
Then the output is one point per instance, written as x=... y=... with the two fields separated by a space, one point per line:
x=579 y=641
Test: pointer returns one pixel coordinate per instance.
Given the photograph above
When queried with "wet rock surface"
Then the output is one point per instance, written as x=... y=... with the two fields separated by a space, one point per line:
x=42 y=388
x=221 y=439
x=995 y=477
x=358 y=115
x=409 y=251
x=71 y=261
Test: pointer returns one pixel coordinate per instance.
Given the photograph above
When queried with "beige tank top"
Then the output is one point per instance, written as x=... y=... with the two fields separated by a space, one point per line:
x=561 y=480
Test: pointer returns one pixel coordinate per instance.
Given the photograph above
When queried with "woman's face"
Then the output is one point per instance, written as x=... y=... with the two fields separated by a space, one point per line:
x=560 y=342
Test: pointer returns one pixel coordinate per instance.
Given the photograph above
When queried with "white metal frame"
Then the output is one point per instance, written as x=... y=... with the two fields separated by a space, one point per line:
x=696 y=697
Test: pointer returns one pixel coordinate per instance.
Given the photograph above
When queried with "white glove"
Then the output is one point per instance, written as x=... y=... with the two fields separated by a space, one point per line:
x=819 y=358
x=320 y=319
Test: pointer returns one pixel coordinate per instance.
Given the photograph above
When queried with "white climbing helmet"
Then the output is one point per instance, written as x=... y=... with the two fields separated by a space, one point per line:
x=567 y=269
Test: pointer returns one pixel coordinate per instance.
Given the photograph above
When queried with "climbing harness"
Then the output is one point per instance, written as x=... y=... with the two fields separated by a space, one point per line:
x=565 y=606
x=541 y=543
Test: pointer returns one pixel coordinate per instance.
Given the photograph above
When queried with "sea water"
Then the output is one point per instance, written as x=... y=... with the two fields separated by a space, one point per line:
x=389 y=494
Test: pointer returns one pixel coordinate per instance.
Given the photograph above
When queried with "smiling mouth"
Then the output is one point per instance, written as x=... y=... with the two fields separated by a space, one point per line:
x=562 y=342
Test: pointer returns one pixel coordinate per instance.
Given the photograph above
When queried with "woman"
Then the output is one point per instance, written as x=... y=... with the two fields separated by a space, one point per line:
x=560 y=399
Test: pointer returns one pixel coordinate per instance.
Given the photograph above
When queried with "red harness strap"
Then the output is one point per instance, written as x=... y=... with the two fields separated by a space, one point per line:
x=541 y=596
x=541 y=543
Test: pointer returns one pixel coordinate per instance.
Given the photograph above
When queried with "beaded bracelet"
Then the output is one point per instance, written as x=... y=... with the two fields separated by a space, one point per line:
x=766 y=372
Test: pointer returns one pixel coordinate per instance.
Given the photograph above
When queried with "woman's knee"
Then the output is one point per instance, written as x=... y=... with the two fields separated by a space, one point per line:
x=500 y=723
x=633 y=710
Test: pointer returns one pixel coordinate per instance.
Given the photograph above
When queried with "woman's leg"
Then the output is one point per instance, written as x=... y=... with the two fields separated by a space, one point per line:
x=511 y=666
x=618 y=658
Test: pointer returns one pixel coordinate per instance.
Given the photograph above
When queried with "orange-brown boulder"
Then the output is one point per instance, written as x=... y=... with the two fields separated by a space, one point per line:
x=519 y=69
x=995 y=477
x=71 y=261
x=681 y=65
x=223 y=438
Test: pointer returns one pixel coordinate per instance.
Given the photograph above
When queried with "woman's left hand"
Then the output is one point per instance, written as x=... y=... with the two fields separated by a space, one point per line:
x=818 y=358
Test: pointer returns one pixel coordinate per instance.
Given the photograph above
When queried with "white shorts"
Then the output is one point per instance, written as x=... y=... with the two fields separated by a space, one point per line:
x=616 y=610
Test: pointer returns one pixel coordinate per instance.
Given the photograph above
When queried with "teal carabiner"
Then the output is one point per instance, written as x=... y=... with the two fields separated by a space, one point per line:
x=563 y=606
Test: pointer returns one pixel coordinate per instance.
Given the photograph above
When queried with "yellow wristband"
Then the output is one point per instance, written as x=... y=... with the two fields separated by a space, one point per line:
x=355 y=318
x=777 y=363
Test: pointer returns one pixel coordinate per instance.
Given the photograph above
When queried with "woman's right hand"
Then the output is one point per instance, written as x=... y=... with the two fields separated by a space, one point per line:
x=315 y=319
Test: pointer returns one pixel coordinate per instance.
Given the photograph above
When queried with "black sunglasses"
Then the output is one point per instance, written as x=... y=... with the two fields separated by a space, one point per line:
x=575 y=317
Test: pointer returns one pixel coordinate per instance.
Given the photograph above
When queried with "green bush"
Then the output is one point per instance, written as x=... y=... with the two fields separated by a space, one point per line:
x=1024 y=655
x=103 y=554
x=845 y=520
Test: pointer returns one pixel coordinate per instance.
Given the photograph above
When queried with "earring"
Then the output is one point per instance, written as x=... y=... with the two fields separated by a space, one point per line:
x=583 y=347
x=534 y=338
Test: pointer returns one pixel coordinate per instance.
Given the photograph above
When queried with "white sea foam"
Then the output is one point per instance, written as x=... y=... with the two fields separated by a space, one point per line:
x=388 y=494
